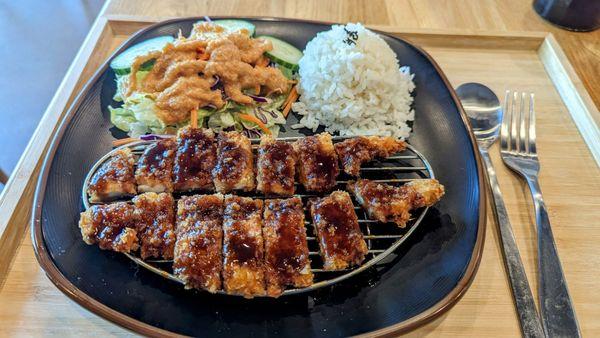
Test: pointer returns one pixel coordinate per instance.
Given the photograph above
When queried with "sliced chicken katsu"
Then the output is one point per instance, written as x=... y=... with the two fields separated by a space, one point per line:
x=195 y=159
x=235 y=163
x=114 y=178
x=155 y=166
x=427 y=192
x=387 y=203
x=198 y=251
x=355 y=151
x=155 y=214
x=286 y=251
x=276 y=167
x=111 y=226
x=340 y=239
x=317 y=162
x=243 y=248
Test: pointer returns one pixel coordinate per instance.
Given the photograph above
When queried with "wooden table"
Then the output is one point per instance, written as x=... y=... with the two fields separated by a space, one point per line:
x=31 y=305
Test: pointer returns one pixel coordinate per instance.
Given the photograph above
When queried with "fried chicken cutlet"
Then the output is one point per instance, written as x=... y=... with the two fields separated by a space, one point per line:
x=155 y=214
x=198 y=255
x=355 y=151
x=243 y=248
x=387 y=203
x=111 y=226
x=276 y=167
x=340 y=239
x=114 y=178
x=235 y=163
x=317 y=162
x=195 y=159
x=286 y=250
x=155 y=166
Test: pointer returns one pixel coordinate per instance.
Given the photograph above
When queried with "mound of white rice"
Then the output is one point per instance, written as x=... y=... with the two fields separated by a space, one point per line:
x=353 y=88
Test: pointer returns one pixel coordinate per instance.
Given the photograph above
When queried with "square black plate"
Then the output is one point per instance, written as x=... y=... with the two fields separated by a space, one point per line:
x=430 y=271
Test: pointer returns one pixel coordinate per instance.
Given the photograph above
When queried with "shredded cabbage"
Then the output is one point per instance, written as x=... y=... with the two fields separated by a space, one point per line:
x=137 y=115
x=122 y=118
x=123 y=80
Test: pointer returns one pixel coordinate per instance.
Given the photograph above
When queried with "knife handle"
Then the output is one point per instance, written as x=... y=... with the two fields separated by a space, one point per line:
x=524 y=302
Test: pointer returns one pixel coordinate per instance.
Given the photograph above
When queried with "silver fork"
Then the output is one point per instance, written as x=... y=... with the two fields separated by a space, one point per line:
x=518 y=151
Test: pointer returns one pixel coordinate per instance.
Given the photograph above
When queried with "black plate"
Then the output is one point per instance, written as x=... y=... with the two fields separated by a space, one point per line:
x=431 y=270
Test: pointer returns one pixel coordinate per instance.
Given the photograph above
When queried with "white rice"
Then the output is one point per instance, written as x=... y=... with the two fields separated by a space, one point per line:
x=354 y=89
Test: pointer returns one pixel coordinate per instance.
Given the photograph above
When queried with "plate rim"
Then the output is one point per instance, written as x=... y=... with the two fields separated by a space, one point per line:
x=80 y=297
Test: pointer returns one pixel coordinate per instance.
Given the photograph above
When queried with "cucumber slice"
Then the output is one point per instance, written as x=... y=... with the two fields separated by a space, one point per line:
x=236 y=25
x=121 y=64
x=283 y=53
x=143 y=67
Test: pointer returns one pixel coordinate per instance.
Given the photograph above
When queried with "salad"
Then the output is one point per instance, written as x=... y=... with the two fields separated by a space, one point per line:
x=220 y=77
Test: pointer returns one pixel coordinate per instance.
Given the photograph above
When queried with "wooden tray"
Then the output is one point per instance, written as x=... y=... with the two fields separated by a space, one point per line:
x=520 y=61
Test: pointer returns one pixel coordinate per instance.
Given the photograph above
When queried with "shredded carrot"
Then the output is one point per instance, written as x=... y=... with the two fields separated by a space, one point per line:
x=118 y=143
x=256 y=121
x=194 y=118
x=289 y=101
x=286 y=109
x=204 y=57
x=292 y=93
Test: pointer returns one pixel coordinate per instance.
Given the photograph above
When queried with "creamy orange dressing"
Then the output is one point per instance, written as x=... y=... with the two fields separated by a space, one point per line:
x=181 y=80
x=187 y=93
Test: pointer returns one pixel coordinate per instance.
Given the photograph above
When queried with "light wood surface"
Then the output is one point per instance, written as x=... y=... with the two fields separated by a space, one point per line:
x=503 y=59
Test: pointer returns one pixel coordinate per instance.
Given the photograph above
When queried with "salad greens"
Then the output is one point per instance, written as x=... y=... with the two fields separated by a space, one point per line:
x=138 y=112
x=137 y=115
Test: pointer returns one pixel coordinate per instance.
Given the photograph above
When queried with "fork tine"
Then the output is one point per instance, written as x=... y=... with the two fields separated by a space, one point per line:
x=522 y=130
x=504 y=136
x=514 y=133
x=531 y=142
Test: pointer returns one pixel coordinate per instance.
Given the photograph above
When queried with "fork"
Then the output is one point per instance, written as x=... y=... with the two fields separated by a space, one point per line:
x=519 y=153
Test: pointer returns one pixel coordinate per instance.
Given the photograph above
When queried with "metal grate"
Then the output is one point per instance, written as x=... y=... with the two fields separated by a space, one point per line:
x=382 y=239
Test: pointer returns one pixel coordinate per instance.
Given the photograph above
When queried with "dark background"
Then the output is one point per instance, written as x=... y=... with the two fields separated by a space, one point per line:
x=38 y=39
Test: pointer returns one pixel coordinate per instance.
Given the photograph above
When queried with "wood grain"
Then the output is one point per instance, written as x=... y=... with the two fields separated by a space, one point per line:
x=582 y=109
x=30 y=305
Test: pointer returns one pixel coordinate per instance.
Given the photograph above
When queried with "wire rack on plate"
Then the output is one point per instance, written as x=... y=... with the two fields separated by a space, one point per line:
x=382 y=238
